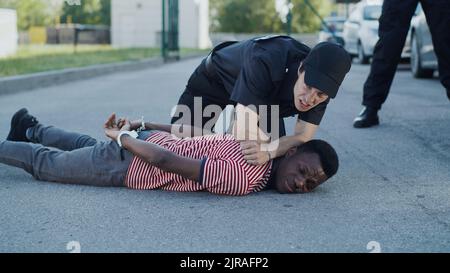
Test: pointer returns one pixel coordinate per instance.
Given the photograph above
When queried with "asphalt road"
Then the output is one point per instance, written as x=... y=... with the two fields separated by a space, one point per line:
x=393 y=186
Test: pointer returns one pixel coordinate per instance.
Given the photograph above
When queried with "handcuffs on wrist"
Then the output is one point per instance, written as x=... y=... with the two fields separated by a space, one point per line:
x=133 y=134
x=142 y=128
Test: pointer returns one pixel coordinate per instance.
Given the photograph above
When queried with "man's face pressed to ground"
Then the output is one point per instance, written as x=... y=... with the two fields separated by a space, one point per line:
x=306 y=97
x=299 y=172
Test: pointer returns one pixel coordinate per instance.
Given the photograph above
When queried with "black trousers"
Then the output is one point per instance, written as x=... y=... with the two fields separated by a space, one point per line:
x=394 y=25
x=211 y=91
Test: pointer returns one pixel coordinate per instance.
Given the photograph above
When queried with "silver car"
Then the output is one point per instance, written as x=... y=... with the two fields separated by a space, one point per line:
x=361 y=31
x=334 y=24
x=423 y=58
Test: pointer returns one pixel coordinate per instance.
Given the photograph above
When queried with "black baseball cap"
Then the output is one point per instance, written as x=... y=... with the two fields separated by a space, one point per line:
x=326 y=66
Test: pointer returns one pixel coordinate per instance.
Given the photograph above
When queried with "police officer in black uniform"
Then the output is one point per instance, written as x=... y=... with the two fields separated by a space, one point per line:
x=272 y=70
x=394 y=26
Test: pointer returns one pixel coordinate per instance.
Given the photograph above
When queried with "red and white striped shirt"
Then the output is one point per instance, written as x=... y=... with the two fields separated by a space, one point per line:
x=223 y=171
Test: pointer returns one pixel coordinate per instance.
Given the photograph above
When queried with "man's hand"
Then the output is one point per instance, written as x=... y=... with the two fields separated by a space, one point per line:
x=253 y=154
x=113 y=128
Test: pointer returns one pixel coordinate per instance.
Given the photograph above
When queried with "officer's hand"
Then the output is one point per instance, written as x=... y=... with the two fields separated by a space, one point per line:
x=253 y=154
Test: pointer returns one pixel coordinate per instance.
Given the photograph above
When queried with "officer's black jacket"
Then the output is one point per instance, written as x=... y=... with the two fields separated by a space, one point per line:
x=263 y=71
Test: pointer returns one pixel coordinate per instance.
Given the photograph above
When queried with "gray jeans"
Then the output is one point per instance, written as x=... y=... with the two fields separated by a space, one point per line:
x=77 y=159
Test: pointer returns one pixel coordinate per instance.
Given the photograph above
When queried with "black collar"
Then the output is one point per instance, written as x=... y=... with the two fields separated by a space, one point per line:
x=273 y=174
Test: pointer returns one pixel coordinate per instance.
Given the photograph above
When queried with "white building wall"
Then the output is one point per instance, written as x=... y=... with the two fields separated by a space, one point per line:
x=204 y=39
x=138 y=23
x=194 y=23
x=188 y=23
x=9 y=37
x=135 y=23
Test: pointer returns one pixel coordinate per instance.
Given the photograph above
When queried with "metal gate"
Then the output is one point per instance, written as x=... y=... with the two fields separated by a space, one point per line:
x=170 y=44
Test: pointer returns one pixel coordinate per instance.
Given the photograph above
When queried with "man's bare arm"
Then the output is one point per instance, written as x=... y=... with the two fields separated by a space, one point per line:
x=304 y=132
x=163 y=159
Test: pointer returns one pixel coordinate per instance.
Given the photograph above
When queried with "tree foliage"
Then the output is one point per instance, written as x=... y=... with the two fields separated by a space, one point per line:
x=245 y=16
x=303 y=18
x=31 y=12
x=44 y=12
x=252 y=16
x=93 y=12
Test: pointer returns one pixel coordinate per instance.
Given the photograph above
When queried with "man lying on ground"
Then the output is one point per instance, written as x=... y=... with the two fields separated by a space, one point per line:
x=157 y=159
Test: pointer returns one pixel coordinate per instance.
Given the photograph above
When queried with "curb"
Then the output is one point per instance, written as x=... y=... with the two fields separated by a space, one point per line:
x=21 y=83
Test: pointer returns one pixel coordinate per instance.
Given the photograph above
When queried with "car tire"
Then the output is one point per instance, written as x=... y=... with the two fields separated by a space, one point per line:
x=361 y=57
x=416 y=64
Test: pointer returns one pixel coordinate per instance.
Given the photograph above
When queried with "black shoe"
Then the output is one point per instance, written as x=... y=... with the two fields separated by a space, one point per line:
x=367 y=118
x=448 y=94
x=20 y=122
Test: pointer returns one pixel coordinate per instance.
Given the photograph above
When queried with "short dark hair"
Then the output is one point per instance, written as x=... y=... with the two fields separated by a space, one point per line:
x=328 y=156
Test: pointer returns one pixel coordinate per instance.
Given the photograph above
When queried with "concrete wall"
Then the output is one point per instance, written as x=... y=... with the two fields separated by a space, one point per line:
x=9 y=36
x=194 y=23
x=65 y=34
x=135 y=23
x=138 y=23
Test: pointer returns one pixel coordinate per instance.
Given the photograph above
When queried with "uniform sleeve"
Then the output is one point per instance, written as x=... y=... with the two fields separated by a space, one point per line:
x=225 y=177
x=254 y=83
x=314 y=115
